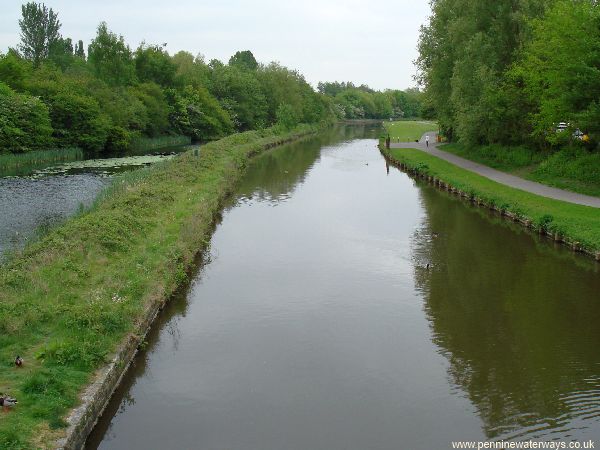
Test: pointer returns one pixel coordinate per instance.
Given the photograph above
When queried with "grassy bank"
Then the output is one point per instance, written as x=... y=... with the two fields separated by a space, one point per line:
x=574 y=223
x=408 y=130
x=68 y=300
x=12 y=161
x=573 y=169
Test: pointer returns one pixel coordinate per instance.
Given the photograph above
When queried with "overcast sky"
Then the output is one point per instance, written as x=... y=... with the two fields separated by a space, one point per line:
x=372 y=42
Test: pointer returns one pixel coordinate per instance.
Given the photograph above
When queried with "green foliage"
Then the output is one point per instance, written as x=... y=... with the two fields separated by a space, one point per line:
x=24 y=122
x=117 y=97
x=111 y=58
x=14 y=163
x=243 y=60
x=77 y=294
x=241 y=95
x=464 y=54
x=77 y=120
x=153 y=64
x=39 y=31
x=362 y=102
x=14 y=70
x=498 y=156
x=286 y=119
x=560 y=69
x=197 y=114
x=571 y=168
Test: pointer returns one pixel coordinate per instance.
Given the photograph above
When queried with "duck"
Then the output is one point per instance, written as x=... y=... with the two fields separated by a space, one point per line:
x=19 y=361
x=435 y=234
x=7 y=402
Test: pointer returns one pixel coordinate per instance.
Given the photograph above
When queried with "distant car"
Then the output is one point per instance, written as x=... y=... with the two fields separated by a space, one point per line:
x=564 y=126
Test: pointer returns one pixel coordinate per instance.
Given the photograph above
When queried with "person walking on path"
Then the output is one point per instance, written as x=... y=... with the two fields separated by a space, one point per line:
x=427 y=140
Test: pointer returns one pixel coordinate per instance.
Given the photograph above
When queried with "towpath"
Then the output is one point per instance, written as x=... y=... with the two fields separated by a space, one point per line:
x=498 y=176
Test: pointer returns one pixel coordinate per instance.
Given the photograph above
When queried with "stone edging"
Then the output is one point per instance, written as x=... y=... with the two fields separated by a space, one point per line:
x=96 y=396
x=526 y=222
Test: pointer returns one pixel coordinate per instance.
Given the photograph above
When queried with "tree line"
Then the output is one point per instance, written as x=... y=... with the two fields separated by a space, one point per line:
x=56 y=93
x=362 y=102
x=513 y=72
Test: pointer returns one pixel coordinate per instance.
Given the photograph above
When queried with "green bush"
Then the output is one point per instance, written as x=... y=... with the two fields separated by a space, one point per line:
x=24 y=122
x=78 y=121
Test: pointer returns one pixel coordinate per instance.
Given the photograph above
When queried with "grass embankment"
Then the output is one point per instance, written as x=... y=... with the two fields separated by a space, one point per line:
x=573 y=169
x=68 y=300
x=574 y=223
x=408 y=130
x=12 y=161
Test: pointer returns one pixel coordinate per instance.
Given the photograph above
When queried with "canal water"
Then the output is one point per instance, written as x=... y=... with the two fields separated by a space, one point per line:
x=41 y=198
x=313 y=321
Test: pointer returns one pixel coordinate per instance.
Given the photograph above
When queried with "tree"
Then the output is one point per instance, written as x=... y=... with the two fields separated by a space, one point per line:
x=39 y=31
x=560 y=69
x=111 y=58
x=61 y=53
x=464 y=54
x=79 y=52
x=243 y=60
x=198 y=114
x=153 y=63
x=24 y=122
x=286 y=118
x=78 y=121
x=240 y=93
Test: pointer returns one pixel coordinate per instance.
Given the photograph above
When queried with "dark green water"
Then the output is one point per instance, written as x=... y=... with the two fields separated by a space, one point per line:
x=313 y=322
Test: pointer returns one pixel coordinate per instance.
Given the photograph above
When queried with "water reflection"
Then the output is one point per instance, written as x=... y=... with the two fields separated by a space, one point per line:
x=517 y=322
x=317 y=323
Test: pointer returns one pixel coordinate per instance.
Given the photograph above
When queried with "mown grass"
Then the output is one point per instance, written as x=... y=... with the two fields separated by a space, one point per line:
x=574 y=169
x=408 y=130
x=69 y=299
x=574 y=222
x=10 y=161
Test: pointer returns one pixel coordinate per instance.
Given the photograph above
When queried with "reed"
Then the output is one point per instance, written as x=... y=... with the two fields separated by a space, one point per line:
x=11 y=161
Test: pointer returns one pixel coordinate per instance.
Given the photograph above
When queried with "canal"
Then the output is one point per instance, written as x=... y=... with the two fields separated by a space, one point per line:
x=314 y=321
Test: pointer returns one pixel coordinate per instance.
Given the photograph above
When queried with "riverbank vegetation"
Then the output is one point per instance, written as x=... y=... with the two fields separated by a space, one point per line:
x=69 y=299
x=571 y=168
x=362 y=102
x=11 y=161
x=574 y=223
x=108 y=97
x=502 y=76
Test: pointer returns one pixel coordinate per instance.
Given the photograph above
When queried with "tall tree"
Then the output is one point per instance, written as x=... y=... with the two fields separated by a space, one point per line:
x=153 y=63
x=40 y=30
x=244 y=60
x=464 y=54
x=79 y=51
x=111 y=57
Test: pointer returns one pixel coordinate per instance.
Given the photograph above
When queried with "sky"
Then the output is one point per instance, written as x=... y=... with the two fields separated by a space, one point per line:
x=371 y=42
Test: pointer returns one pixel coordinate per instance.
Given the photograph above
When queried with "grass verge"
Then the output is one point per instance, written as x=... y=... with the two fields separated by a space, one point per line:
x=68 y=300
x=574 y=169
x=575 y=224
x=408 y=130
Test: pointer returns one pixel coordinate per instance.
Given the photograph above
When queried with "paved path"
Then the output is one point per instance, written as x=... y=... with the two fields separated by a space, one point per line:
x=500 y=177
